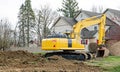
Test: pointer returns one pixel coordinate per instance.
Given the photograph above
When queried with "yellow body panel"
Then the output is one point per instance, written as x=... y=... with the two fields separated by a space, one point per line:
x=61 y=44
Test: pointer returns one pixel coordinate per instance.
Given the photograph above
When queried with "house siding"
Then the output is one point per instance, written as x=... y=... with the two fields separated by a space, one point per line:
x=81 y=16
x=61 y=26
x=113 y=33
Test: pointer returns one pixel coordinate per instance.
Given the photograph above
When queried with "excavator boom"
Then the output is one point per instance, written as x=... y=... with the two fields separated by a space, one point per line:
x=100 y=20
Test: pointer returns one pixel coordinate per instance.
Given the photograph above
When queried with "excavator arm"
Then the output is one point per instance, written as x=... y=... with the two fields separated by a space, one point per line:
x=100 y=20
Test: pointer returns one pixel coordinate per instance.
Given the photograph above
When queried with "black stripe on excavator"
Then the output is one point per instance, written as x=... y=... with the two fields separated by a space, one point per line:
x=69 y=42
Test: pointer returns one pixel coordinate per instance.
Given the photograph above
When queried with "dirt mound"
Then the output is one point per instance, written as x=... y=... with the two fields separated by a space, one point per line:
x=18 y=58
x=22 y=61
x=93 y=47
x=55 y=57
x=115 y=49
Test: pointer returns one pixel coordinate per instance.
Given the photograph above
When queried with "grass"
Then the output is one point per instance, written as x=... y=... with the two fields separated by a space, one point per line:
x=115 y=69
x=108 y=64
x=42 y=53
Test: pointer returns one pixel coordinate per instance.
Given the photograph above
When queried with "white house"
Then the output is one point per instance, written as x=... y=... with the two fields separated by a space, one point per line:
x=63 y=24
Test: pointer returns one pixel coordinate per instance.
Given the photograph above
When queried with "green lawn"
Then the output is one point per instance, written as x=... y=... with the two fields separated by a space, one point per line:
x=42 y=53
x=108 y=64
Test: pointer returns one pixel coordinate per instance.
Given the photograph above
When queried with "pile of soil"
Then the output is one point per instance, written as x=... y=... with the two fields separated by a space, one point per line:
x=22 y=61
x=93 y=47
x=115 y=49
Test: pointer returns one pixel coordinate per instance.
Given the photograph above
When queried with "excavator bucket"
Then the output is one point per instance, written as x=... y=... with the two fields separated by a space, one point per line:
x=99 y=51
x=104 y=52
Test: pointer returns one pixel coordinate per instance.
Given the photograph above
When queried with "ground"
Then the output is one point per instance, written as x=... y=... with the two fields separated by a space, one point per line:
x=22 y=61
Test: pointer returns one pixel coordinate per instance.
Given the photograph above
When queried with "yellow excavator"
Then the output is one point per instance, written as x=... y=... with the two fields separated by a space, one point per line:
x=66 y=44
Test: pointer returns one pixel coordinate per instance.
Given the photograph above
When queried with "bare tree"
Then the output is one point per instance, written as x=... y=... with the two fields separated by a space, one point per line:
x=100 y=9
x=38 y=27
x=5 y=34
x=44 y=18
x=96 y=9
x=16 y=36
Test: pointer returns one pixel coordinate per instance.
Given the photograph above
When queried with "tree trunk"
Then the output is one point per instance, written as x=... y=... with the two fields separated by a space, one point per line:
x=39 y=33
x=23 y=34
x=15 y=39
x=28 y=32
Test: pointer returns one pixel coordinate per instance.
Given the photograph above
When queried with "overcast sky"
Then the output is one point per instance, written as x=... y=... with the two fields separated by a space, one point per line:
x=9 y=8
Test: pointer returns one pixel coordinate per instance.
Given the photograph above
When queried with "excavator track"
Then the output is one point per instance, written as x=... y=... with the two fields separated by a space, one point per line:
x=71 y=55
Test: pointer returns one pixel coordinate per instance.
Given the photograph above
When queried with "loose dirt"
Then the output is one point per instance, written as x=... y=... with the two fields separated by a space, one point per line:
x=115 y=49
x=22 y=61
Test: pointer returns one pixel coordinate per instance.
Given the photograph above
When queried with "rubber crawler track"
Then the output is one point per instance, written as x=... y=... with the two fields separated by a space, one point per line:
x=71 y=55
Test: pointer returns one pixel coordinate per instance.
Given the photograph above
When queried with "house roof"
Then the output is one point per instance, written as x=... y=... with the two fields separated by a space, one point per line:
x=109 y=22
x=70 y=21
x=86 y=34
x=116 y=12
x=89 y=13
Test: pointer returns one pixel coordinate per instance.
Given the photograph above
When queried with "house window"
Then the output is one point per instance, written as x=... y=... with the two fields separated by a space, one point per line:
x=95 y=28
